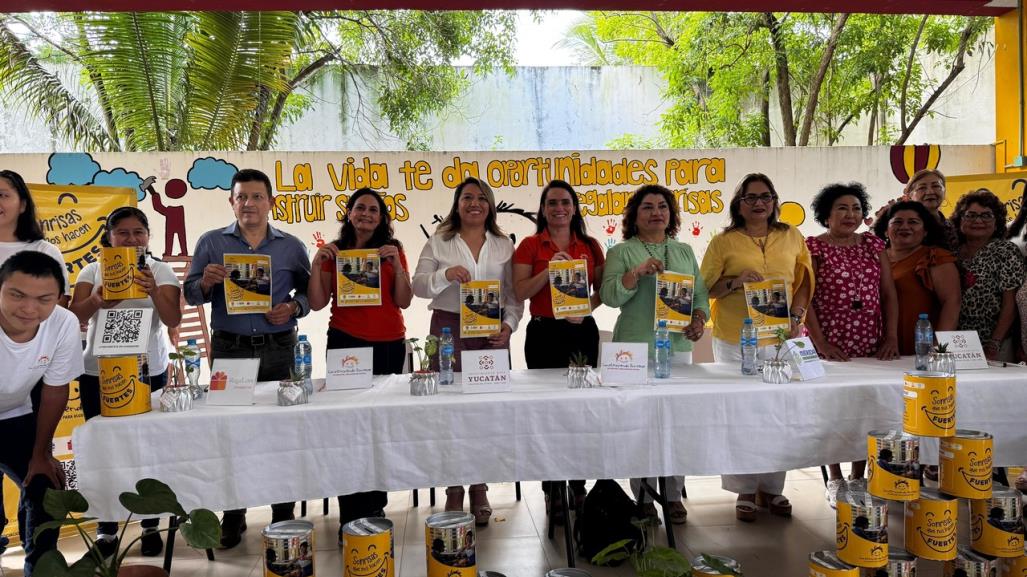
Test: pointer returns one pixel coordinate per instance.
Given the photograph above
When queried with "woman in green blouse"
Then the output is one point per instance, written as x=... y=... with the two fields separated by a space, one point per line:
x=651 y=221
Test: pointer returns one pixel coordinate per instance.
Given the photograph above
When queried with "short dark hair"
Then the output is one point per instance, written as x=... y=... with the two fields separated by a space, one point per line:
x=33 y=263
x=823 y=202
x=629 y=227
x=27 y=229
x=251 y=175
x=987 y=199
x=934 y=234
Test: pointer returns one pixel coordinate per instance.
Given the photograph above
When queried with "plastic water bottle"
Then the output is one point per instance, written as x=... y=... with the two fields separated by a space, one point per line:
x=662 y=346
x=446 y=357
x=191 y=352
x=302 y=366
x=748 y=344
x=924 y=340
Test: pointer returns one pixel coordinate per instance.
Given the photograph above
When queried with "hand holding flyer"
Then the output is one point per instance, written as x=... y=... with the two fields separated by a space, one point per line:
x=480 y=311
x=674 y=292
x=358 y=278
x=248 y=285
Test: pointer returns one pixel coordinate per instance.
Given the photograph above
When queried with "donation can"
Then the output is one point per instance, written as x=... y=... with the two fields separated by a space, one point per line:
x=996 y=524
x=368 y=548
x=124 y=386
x=289 y=549
x=964 y=465
x=900 y=564
x=449 y=541
x=861 y=530
x=929 y=404
x=930 y=526
x=827 y=564
x=970 y=564
x=893 y=465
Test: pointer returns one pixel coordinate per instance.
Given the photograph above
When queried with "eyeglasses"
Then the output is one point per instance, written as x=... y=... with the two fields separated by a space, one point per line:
x=981 y=216
x=752 y=199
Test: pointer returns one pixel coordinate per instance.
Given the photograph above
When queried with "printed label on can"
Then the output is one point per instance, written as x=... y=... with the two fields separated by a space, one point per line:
x=964 y=467
x=889 y=475
x=968 y=564
x=122 y=391
x=995 y=526
x=930 y=528
x=450 y=549
x=860 y=542
x=289 y=549
x=368 y=555
x=827 y=564
x=931 y=413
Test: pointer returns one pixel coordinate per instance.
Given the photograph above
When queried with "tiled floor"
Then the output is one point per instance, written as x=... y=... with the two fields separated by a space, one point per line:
x=515 y=542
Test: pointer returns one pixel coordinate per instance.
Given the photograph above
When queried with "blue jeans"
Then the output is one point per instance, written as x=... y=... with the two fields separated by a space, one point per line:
x=15 y=454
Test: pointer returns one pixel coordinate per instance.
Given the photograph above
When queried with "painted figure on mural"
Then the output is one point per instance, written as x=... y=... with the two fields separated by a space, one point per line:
x=174 y=216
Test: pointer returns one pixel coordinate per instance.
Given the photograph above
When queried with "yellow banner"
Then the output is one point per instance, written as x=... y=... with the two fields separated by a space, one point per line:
x=568 y=288
x=479 y=308
x=674 y=293
x=248 y=286
x=1009 y=187
x=358 y=278
x=73 y=217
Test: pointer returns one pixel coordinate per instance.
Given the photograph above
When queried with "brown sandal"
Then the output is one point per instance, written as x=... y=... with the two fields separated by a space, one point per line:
x=745 y=509
x=480 y=507
x=777 y=504
x=455 y=498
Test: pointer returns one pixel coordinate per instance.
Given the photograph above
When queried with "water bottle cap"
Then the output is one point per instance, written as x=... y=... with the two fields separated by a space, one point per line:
x=748 y=321
x=662 y=324
x=191 y=342
x=923 y=315
x=303 y=337
x=446 y=330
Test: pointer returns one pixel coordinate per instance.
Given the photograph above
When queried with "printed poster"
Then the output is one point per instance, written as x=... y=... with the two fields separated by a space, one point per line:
x=674 y=292
x=568 y=288
x=119 y=266
x=357 y=278
x=479 y=308
x=767 y=302
x=248 y=286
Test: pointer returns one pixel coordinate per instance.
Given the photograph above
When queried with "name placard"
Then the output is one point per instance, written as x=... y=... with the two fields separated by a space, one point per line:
x=965 y=347
x=624 y=363
x=232 y=381
x=485 y=371
x=350 y=369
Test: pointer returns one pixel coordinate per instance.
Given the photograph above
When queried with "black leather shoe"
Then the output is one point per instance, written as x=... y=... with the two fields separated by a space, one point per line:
x=232 y=528
x=151 y=544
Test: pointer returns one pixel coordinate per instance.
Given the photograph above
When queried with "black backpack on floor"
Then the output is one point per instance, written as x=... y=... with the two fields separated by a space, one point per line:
x=604 y=519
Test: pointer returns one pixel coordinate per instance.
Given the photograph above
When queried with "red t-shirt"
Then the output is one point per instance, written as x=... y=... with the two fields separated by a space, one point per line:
x=538 y=249
x=378 y=323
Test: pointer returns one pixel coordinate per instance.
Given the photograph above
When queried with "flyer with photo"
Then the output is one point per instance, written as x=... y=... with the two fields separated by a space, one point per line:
x=568 y=288
x=248 y=285
x=358 y=278
x=767 y=302
x=674 y=292
x=480 y=312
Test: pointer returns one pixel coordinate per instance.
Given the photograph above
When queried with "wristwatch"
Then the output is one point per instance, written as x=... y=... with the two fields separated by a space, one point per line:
x=798 y=316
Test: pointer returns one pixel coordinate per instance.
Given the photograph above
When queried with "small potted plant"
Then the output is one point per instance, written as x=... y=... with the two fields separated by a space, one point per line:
x=176 y=397
x=578 y=371
x=941 y=360
x=650 y=560
x=200 y=528
x=292 y=391
x=778 y=370
x=424 y=381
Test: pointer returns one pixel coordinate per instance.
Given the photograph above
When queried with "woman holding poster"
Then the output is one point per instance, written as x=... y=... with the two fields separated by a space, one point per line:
x=757 y=259
x=469 y=253
x=651 y=256
x=127 y=227
x=366 y=226
x=559 y=327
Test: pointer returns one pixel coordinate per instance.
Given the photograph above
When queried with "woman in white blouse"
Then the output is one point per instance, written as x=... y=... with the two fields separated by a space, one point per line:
x=468 y=245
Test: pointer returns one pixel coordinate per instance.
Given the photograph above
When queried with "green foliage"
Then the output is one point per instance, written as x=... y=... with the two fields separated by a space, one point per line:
x=425 y=354
x=199 y=527
x=722 y=70
x=655 y=560
x=228 y=80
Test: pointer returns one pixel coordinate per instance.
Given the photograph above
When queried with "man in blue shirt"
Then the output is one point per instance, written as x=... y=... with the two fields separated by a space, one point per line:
x=270 y=336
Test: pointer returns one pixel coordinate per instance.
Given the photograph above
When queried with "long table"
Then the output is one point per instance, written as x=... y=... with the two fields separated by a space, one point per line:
x=707 y=419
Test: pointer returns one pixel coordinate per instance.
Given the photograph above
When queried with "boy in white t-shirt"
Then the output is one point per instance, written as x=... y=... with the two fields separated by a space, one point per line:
x=38 y=340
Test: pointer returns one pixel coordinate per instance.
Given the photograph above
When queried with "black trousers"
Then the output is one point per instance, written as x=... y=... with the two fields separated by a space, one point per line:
x=389 y=357
x=15 y=454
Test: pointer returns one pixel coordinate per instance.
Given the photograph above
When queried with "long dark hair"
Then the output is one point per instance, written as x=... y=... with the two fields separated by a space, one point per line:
x=736 y=202
x=382 y=234
x=577 y=222
x=934 y=235
x=629 y=226
x=27 y=229
x=451 y=224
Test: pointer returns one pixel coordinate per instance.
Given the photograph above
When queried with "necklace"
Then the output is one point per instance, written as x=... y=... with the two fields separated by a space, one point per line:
x=761 y=243
x=652 y=254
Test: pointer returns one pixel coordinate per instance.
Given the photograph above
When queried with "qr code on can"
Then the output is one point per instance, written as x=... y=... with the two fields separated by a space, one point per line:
x=122 y=326
x=70 y=474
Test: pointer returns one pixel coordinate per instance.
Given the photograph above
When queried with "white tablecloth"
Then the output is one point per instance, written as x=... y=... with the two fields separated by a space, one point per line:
x=707 y=420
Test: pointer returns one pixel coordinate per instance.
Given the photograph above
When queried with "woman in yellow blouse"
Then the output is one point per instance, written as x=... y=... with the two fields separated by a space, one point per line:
x=754 y=247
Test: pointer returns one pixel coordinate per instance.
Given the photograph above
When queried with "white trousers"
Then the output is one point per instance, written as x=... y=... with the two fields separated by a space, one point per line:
x=770 y=483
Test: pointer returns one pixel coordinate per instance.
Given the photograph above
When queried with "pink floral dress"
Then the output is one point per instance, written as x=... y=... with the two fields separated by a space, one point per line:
x=847 y=298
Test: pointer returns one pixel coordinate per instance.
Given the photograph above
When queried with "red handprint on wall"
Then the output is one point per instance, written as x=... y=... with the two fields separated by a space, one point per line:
x=696 y=228
x=319 y=240
x=611 y=226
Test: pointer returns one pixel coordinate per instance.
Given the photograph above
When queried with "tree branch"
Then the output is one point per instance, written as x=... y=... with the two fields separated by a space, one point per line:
x=784 y=88
x=958 y=64
x=276 y=112
x=818 y=80
x=909 y=72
